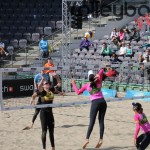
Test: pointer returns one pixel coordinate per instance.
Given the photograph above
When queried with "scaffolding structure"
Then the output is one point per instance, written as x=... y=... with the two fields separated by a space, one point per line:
x=65 y=48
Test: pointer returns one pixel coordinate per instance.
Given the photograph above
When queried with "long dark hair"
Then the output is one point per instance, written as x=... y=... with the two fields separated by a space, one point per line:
x=92 y=80
x=104 y=77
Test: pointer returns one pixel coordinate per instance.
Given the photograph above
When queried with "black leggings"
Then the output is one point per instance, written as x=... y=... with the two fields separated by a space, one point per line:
x=47 y=121
x=98 y=105
x=143 y=141
x=37 y=110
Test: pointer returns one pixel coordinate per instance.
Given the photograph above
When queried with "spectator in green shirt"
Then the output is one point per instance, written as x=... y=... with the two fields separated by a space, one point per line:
x=106 y=51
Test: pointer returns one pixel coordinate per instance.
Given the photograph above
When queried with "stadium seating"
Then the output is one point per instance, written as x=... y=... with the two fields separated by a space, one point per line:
x=25 y=16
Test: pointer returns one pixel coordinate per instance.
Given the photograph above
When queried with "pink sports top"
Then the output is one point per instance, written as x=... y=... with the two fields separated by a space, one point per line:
x=95 y=92
x=141 y=122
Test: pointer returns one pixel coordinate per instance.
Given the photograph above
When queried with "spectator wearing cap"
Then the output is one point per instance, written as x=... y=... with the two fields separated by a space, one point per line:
x=106 y=51
x=141 y=141
x=43 y=45
x=85 y=43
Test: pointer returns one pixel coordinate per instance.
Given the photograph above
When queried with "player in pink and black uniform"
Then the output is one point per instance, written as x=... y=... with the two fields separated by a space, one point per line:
x=142 y=141
x=98 y=103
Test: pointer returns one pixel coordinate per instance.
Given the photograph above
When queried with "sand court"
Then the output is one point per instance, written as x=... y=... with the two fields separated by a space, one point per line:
x=71 y=125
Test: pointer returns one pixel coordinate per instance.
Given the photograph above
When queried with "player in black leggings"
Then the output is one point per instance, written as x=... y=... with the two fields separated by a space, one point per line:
x=46 y=114
x=97 y=106
x=98 y=103
x=56 y=89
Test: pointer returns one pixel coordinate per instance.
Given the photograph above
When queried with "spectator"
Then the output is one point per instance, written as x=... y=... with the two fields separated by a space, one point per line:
x=121 y=35
x=114 y=59
x=129 y=52
x=127 y=35
x=114 y=34
x=145 y=45
x=122 y=50
x=135 y=35
x=111 y=72
x=3 y=53
x=116 y=42
x=49 y=64
x=146 y=59
x=145 y=56
x=85 y=43
x=147 y=53
x=44 y=47
x=51 y=73
x=106 y=51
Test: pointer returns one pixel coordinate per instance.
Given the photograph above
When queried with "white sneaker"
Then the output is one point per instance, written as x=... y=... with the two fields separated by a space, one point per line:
x=6 y=54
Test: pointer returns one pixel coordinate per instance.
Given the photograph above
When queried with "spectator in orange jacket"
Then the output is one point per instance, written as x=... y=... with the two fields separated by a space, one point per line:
x=50 y=72
x=49 y=64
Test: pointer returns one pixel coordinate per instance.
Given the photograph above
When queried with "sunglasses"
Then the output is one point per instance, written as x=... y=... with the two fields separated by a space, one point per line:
x=46 y=83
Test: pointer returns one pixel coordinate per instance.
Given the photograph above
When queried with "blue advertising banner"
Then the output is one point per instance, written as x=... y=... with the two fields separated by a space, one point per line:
x=108 y=93
x=135 y=93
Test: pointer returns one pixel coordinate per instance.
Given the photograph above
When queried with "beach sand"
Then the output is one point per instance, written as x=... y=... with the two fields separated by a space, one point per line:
x=71 y=125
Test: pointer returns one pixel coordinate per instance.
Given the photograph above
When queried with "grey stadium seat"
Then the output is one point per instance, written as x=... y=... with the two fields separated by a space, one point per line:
x=14 y=43
x=18 y=36
x=52 y=24
x=22 y=43
x=35 y=37
x=39 y=30
x=59 y=24
x=47 y=31
x=10 y=50
x=27 y=36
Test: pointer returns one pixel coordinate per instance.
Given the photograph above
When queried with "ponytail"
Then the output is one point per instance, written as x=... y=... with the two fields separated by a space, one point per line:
x=104 y=77
x=140 y=111
x=93 y=85
x=92 y=80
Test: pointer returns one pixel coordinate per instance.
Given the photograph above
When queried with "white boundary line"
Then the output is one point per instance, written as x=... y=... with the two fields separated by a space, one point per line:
x=68 y=104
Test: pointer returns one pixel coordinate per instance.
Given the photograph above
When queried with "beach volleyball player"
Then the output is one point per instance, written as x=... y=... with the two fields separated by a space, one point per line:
x=142 y=141
x=98 y=103
x=56 y=88
x=46 y=92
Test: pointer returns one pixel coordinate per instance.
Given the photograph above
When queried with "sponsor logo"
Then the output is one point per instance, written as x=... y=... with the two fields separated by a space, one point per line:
x=8 y=89
x=26 y=88
x=118 y=10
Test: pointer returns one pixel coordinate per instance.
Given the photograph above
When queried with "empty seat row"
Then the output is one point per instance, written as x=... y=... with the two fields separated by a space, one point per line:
x=28 y=36
x=24 y=5
x=7 y=18
x=22 y=29
x=18 y=36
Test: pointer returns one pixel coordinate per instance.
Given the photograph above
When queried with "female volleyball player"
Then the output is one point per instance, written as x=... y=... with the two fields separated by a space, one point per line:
x=46 y=92
x=142 y=141
x=98 y=103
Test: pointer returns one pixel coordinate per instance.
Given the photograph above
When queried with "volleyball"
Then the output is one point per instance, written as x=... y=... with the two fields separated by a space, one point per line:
x=89 y=34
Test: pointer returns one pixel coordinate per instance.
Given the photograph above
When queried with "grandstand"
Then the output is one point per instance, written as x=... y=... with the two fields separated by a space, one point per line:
x=23 y=22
